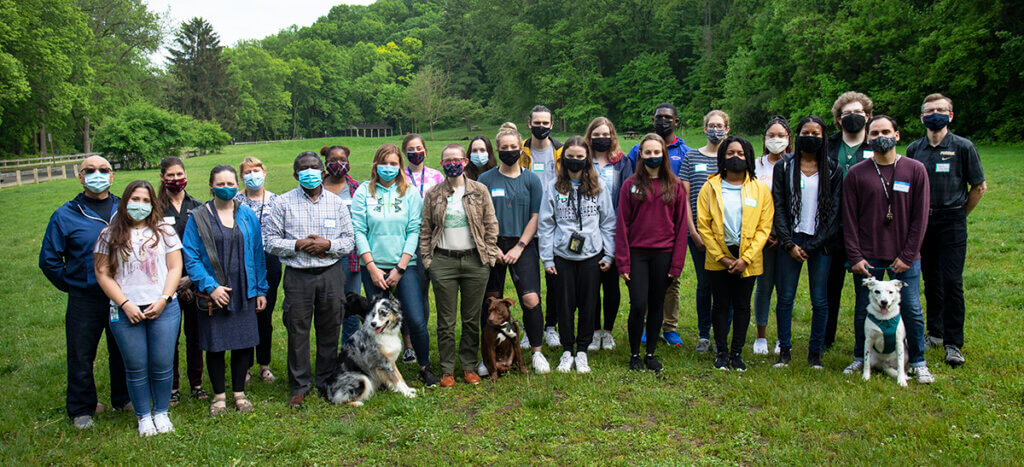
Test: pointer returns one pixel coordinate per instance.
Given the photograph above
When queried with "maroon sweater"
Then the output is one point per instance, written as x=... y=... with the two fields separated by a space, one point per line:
x=864 y=209
x=651 y=225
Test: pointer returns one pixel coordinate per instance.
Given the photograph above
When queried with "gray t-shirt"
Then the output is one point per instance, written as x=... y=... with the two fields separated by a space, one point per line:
x=547 y=171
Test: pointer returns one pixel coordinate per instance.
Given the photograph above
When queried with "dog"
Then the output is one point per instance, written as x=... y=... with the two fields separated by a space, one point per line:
x=500 y=345
x=367 y=360
x=884 y=334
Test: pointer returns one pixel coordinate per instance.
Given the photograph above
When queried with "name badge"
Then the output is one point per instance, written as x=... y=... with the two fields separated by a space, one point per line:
x=869 y=154
x=497 y=192
x=750 y=201
x=330 y=223
x=609 y=172
x=942 y=167
x=347 y=202
x=562 y=197
x=700 y=168
x=902 y=187
x=169 y=220
x=538 y=166
x=371 y=201
x=802 y=184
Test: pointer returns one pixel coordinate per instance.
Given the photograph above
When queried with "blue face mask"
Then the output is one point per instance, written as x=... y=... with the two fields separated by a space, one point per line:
x=478 y=159
x=225 y=193
x=936 y=121
x=254 y=180
x=138 y=211
x=97 y=182
x=387 y=172
x=653 y=162
x=310 y=178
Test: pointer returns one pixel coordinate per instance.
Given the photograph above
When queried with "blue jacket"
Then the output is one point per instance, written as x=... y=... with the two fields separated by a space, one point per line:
x=66 y=254
x=197 y=262
x=620 y=171
x=676 y=153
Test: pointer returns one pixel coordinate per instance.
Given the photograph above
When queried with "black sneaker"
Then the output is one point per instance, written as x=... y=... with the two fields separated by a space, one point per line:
x=428 y=378
x=652 y=363
x=814 y=361
x=736 y=362
x=722 y=361
x=783 y=360
x=635 y=364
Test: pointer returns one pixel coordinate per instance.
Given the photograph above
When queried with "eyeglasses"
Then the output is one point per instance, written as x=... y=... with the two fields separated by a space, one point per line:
x=854 y=112
x=940 y=110
x=716 y=127
x=102 y=170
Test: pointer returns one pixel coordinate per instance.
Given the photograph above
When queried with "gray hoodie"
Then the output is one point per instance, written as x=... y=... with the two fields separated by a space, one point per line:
x=558 y=221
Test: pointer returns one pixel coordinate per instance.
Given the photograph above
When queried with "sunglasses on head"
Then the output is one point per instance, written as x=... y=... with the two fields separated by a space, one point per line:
x=102 y=170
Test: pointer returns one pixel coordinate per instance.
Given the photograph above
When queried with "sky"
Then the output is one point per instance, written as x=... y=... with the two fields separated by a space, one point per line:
x=235 y=20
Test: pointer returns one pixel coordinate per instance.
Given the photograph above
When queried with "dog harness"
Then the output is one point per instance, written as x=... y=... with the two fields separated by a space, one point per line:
x=888 y=328
x=505 y=332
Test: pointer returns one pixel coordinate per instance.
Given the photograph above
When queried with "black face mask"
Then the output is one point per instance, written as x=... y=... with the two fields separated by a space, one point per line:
x=540 y=132
x=809 y=144
x=574 y=165
x=601 y=144
x=735 y=164
x=509 y=157
x=853 y=123
x=663 y=127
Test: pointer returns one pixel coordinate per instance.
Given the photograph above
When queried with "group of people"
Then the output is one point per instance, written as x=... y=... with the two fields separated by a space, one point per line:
x=582 y=211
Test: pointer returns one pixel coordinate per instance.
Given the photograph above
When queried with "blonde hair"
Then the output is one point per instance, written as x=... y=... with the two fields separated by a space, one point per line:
x=848 y=97
x=250 y=161
x=507 y=129
x=383 y=151
x=716 y=113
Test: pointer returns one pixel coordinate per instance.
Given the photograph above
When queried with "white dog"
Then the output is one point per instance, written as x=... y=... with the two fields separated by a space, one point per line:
x=884 y=334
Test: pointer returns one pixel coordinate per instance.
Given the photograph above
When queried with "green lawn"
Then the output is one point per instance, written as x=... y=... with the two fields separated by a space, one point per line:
x=693 y=414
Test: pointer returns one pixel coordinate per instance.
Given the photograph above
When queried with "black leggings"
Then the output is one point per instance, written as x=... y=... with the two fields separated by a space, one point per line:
x=575 y=283
x=240 y=361
x=526 y=278
x=612 y=297
x=730 y=290
x=265 y=318
x=647 y=285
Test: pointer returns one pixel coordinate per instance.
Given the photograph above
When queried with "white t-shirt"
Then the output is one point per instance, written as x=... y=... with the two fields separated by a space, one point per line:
x=808 y=204
x=143 y=274
x=732 y=212
x=456 y=234
x=764 y=169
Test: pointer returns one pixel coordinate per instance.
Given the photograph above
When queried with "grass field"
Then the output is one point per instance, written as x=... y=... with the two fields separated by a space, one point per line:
x=693 y=414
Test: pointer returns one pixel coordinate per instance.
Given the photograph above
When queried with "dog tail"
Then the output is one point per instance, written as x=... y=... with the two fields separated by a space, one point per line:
x=349 y=388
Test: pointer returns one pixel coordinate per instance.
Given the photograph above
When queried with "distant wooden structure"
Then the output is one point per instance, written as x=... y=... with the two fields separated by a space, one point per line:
x=369 y=130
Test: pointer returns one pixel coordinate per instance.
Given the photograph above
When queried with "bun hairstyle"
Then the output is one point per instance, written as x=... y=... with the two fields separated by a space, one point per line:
x=507 y=128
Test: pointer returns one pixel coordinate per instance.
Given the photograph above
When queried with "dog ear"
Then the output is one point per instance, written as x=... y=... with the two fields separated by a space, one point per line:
x=900 y=285
x=491 y=300
x=509 y=302
x=869 y=281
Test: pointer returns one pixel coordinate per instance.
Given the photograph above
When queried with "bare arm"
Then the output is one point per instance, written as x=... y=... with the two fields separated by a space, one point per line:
x=974 y=196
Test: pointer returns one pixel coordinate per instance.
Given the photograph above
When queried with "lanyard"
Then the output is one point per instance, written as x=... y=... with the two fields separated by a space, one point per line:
x=885 y=187
x=579 y=208
x=422 y=174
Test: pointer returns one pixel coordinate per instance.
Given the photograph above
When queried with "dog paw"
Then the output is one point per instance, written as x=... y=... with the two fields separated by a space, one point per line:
x=355 y=403
x=866 y=377
x=410 y=393
x=902 y=382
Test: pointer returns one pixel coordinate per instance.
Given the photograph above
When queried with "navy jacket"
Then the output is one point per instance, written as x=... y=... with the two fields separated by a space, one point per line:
x=66 y=254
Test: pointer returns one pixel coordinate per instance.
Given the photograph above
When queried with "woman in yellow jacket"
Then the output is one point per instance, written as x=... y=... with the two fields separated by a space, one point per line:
x=734 y=218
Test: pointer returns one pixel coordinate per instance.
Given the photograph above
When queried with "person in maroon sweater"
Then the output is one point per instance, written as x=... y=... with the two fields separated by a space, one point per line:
x=650 y=243
x=885 y=214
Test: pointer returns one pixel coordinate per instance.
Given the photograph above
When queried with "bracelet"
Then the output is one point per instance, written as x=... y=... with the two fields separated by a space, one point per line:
x=368 y=263
x=122 y=303
x=520 y=244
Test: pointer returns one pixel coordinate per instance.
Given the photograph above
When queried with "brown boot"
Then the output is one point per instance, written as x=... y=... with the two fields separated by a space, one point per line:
x=447 y=380
x=471 y=377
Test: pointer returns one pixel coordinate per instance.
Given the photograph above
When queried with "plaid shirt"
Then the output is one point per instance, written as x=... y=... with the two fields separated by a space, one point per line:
x=295 y=216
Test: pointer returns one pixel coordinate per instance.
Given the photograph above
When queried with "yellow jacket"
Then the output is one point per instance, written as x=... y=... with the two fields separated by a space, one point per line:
x=756 y=224
x=526 y=161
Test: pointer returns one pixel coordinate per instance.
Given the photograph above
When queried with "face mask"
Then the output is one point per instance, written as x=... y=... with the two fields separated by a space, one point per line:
x=653 y=162
x=310 y=178
x=936 y=121
x=540 y=132
x=225 y=193
x=509 y=157
x=337 y=169
x=601 y=144
x=138 y=211
x=415 y=157
x=454 y=168
x=478 y=159
x=97 y=182
x=776 y=145
x=254 y=180
x=663 y=127
x=387 y=172
x=175 y=186
x=882 y=144
x=809 y=143
x=715 y=136
x=574 y=165
x=735 y=164
x=853 y=123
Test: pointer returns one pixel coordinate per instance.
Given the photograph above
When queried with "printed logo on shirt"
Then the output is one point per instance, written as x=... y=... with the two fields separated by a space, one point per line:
x=497 y=192
x=947 y=153
x=750 y=201
x=902 y=187
x=942 y=167
x=633 y=189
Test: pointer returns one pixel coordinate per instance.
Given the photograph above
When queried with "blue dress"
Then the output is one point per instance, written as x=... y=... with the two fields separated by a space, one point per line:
x=235 y=327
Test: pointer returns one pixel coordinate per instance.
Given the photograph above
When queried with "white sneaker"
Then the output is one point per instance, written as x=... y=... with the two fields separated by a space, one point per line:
x=146 y=426
x=525 y=342
x=551 y=337
x=608 y=342
x=923 y=375
x=581 y=363
x=163 y=423
x=540 y=364
x=856 y=367
x=778 y=348
x=596 y=343
x=761 y=346
x=565 y=363
x=481 y=370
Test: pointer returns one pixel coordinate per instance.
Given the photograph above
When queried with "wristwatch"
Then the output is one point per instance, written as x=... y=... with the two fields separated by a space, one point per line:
x=400 y=270
x=167 y=298
x=520 y=244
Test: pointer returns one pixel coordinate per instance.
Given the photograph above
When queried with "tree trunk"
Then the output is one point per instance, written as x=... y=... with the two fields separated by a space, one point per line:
x=468 y=128
x=431 y=122
x=295 y=114
x=86 y=144
x=42 y=139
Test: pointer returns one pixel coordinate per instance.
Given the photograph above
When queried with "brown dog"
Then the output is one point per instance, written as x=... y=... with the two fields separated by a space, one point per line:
x=500 y=346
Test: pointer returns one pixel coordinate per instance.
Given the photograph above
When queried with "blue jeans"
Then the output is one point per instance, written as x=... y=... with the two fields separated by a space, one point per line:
x=354 y=284
x=703 y=291
x=148 y=349
x=766 y=285
x=787 y=278
x=910 y=310
x=410 y=292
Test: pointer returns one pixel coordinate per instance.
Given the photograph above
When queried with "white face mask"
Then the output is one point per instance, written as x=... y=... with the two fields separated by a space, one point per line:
x=776 y=145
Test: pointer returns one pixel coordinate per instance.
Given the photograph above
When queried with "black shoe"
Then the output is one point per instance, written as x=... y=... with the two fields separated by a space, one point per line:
x=736 y=362
x=635 y=364
x=428 y=378
x=783 y=360
x=814 y=361
x=722 y=361
x=652 y=363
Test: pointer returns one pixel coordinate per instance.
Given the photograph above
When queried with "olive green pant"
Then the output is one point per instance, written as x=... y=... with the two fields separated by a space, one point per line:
x=671 y=306
x=450 y=276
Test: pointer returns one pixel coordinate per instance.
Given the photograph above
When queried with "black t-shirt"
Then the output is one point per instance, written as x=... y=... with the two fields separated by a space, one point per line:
x=952 y=166
x=178 y=219
x=102 y=207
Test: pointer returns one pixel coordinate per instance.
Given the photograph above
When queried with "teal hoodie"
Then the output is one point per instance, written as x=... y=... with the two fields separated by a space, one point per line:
x=387 y=225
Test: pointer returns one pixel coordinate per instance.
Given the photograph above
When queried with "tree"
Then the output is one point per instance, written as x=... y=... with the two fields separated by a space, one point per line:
x=203 y=88
x=428 y=97
x=143 y=134
x=264 y=101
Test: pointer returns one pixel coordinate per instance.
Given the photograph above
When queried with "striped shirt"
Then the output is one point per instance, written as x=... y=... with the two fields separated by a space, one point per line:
x=295 y=216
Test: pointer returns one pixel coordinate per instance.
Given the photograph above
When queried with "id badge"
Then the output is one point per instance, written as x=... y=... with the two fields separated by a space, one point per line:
x=576 y=243
x=902 y=187
x=750 y=201
x=497 y=192
x=115 y=316
x=942 y=167
x=330 y=223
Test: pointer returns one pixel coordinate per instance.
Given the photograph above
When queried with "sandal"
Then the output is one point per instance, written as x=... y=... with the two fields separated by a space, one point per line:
x=218 y=407
x=199 y=393
x=242 y=404
x=175 y=398
x=266 y=375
